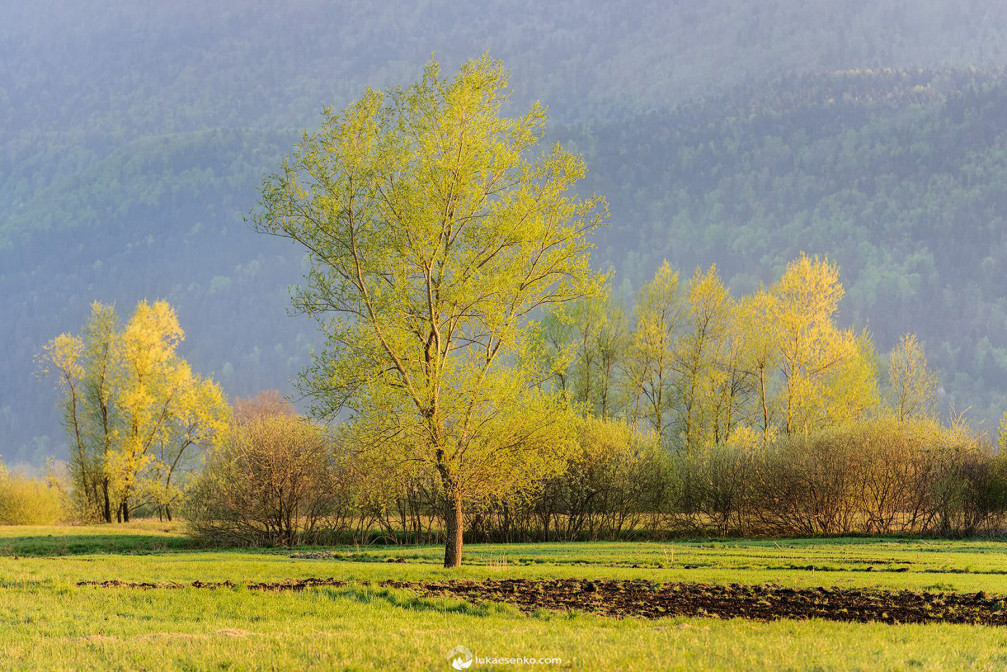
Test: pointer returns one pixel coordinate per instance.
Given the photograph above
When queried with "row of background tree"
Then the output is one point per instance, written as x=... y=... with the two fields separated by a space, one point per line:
x=701 y=368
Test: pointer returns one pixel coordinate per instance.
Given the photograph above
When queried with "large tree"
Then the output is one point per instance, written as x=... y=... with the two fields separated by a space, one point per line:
x=434 y=238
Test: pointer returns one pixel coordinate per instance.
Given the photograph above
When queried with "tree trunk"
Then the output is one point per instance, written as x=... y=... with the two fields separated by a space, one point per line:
x=107 y=511
x=765 y=407
x=453 y=543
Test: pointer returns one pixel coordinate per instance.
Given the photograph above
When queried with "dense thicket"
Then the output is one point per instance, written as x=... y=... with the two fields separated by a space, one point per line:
x=872 y=477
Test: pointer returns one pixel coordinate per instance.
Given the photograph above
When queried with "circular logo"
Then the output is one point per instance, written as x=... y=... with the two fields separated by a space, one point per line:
x=460 y=658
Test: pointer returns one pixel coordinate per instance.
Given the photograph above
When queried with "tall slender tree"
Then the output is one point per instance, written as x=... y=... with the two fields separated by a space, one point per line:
x=699 y=359
x=913 y=384
x=650 y=364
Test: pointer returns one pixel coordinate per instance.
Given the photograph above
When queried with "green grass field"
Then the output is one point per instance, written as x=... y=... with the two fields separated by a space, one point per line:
x=49 y=622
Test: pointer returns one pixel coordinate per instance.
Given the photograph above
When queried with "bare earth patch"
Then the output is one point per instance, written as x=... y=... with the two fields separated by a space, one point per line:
x=762 y=603
x=657 y=600
x=287 y=584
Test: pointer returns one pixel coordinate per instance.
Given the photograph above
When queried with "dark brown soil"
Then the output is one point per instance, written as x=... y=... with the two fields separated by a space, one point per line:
x=762 y=603
x=653 y=600
x=287 y=584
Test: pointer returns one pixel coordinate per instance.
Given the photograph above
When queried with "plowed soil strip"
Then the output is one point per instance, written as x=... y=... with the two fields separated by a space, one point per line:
x=656 y=600
x=763 y=603
x=288 y=584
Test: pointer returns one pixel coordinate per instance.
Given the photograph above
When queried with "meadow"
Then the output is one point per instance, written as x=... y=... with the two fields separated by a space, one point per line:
x=53 y=618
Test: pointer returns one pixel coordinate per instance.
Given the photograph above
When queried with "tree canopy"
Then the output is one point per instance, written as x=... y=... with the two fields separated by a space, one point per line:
x=134 y=411
x=434 y=236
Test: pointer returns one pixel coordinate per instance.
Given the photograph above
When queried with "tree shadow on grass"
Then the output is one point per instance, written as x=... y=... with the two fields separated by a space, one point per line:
x=124 y=543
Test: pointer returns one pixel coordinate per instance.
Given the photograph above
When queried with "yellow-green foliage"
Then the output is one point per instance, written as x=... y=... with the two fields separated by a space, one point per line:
x=700 y=366
x=913 y=385
x=29 y=501
x=614 y=482
x=613 y=475
x=649 y=362
x=134 y=411
x=435 y=230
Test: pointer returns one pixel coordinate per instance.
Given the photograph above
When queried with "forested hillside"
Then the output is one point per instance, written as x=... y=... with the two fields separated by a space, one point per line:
x=133 y=136
x=900 y=176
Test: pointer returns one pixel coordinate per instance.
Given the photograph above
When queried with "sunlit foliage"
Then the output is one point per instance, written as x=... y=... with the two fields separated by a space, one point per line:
x=134 y=411
x=434 y=235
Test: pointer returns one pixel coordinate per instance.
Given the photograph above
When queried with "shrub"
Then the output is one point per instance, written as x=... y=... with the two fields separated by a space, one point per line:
x=30 y=501
x=876 y=477
x=271 y=481
x=713 y=487
x=879 y=477
x=611 y=478
x=805 y=485
x=613 y=484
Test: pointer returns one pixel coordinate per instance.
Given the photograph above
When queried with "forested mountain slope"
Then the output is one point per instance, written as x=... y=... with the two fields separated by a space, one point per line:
x=900 y=176
x=132 y=138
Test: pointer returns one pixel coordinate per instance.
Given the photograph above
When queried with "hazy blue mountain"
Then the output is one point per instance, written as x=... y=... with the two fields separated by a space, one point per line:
x=133 y=135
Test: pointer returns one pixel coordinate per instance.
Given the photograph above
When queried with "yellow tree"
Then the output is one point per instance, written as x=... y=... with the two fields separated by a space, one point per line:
x=434 y=238
x=649 y=363
x=133 y=409
x=705 y=373
x=198 y=419
x=851 y=391
x=913 y=385
x=147 y=390
x=756 y=334
x=731 y=385
x=86 y=372
x=809 y=345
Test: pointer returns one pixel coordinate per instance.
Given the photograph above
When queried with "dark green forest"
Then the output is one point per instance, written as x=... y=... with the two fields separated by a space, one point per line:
x=133 y=137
